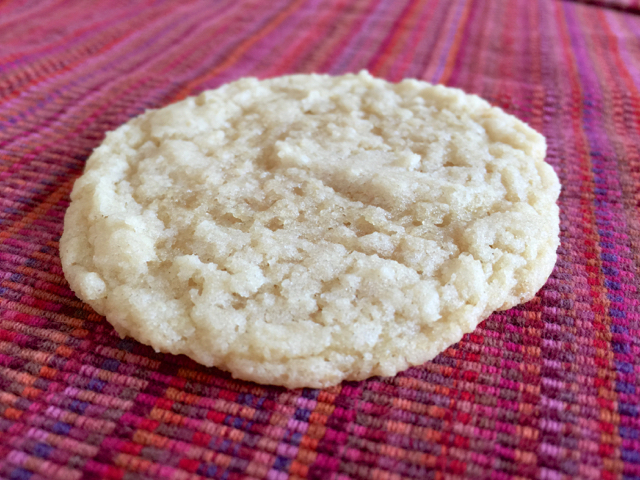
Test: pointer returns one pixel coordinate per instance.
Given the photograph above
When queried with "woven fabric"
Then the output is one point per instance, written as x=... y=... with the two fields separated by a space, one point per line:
x=626 y=5
x=546 y=390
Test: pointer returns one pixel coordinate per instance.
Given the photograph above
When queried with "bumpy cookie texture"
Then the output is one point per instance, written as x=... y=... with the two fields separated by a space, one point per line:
x=308 y=229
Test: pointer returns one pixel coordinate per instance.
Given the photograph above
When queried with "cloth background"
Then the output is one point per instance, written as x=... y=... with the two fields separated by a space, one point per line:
x=546 y=390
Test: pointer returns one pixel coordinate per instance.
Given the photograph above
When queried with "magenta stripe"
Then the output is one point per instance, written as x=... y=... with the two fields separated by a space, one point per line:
x=33 y=9
x=350 y=59
x=356 y=29
x=390 y=34
x=627 y=44
x=473 y=49
x=307 y=55
x=255 y=54
x=427 y=35
x=286 y=36
x=406 y=58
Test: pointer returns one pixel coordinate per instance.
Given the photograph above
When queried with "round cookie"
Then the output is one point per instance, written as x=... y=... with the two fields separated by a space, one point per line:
x=308 y=229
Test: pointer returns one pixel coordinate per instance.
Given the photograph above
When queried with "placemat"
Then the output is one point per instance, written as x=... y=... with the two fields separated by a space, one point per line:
x=546 y=390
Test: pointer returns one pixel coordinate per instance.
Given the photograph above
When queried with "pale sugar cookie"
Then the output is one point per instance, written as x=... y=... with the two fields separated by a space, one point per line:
x=308 y=229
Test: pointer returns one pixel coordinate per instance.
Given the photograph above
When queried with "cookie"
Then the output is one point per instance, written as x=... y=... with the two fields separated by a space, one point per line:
x=308 y=229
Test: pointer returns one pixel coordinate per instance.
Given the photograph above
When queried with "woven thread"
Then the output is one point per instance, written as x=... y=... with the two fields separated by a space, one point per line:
x=546 y=390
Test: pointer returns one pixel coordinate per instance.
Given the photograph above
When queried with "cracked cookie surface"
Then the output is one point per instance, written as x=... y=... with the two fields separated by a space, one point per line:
x=308 y=229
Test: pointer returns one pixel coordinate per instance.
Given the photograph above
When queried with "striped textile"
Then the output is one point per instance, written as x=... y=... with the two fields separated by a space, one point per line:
x=627 y=5
x=547 y=390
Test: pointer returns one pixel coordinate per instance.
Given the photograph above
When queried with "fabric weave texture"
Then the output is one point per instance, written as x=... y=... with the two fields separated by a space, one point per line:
x=545 y=390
